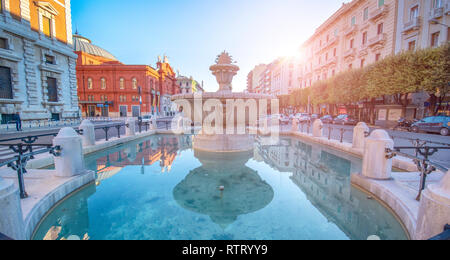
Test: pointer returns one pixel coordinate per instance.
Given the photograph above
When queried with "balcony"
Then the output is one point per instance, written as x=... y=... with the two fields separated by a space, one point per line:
x=350 y=30
x=437 y=13
x=380 y=39
x=350 y=53
x=379 y=12
x=331 y=42
x=332 y=61
x=412 y=25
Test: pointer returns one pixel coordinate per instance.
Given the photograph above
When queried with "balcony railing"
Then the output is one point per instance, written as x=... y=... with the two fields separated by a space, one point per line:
x=437 y=13
x=379 y=39
x=349 y=52
x=332 y=60
x=379 y=12
x=350 y=30
x=414 y=24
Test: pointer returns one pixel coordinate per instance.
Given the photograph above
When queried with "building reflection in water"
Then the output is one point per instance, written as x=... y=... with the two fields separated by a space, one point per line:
x=161 y=150
x=324 y=177
x=223 y=188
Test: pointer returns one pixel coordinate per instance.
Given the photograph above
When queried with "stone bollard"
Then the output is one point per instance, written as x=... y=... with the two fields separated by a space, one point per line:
x=153 y=123
x=434 y=210
x=294 y=125
x=11 y=218
x=71 y=161
x=318 y=128
x=359 y=135
x=131 y=128
x=88 y=137
x=376 y=165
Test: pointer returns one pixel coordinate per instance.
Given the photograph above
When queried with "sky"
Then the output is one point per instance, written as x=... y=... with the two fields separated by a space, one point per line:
x=191 y=33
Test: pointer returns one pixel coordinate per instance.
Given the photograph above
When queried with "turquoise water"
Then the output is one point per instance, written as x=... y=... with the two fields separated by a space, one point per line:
x=160 y=189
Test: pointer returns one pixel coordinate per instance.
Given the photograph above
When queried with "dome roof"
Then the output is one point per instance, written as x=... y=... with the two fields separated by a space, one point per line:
x=83 y=44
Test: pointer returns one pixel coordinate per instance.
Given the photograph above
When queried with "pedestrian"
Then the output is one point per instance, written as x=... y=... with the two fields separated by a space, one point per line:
x=18 y=122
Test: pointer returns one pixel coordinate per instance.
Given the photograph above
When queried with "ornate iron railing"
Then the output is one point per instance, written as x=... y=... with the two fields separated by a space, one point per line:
x=424 y=165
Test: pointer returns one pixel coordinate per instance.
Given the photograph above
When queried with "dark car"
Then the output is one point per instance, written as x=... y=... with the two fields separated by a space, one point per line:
x=345 y=120
x=327 y=119
x=435 y=124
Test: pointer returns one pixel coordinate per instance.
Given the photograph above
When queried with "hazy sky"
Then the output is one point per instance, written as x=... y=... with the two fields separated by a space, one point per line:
x=193 y=32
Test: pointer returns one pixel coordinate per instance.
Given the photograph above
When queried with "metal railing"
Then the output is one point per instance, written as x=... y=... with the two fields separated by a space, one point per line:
x=40 y=124
x=341 y=132
x=106 y=129
x=25 y=153
x=421 y=159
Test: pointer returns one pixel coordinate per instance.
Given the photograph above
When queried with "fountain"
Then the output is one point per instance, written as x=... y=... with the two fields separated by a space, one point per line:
x=229 y=120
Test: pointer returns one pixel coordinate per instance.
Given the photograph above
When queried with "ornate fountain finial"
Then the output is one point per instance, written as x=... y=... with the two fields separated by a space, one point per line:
x=224 y=70
x=224 y=58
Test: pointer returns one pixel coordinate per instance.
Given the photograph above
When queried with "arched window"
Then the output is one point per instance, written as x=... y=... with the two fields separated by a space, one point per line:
x=134 y=80
x=122 y=83
x=103 y=83
x=90 y=84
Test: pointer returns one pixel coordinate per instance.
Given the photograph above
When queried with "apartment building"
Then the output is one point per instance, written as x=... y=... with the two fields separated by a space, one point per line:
x=37 y=63
x=422 y=24
x=359 y=33
x=284 y=76
x=254 y=78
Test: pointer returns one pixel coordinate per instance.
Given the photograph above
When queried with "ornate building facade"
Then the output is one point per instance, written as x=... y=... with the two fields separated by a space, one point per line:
x=359 y=33
x=37 y=64
x=109 y=88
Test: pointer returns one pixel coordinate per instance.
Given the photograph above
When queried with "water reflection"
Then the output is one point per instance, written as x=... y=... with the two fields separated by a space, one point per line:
x=223 y=188
x=324 y=177
x=70 y=221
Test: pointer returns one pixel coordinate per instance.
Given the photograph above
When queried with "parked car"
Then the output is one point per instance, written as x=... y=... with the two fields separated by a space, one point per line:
x=344 y=120
x=302 y=118
x=435 y=124
x=146 y=118
x=314 y=117
x=327 y=119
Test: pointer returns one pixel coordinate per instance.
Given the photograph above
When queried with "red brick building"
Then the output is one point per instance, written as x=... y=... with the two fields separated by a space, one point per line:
x=109 y=88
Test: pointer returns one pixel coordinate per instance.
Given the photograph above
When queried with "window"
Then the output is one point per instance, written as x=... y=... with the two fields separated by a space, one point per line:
x=134 y=84
x=334 y=52
x=353 y=20
x=363 y=61
x=380 y=28
x=90 y=85
x=52 y=90
x=414 y=13
x=412 y=46
x=3 y=43
x=352 y=41
x=103 y=80
x=122 y=83
x=350 y=66
x=50 y=59
x=437 y=3
x=336 y=32
x=46 y=26
x=364 y=38
x=380 y=3
x=5 y=83
x=366 y=14
x=377 y=57
x=333 y=72
x=435 y=39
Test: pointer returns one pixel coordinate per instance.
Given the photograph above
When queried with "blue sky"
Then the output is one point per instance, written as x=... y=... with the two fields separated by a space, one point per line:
x=193 y=32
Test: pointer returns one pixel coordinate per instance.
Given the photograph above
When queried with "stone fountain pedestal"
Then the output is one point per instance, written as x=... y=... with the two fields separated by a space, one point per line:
x=223 y=143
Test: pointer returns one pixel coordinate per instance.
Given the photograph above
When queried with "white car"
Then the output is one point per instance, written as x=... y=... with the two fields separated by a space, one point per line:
x=303 y=118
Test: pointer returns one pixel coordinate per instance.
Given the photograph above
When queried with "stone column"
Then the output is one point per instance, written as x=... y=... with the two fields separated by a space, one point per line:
x=294 y=125
x=71 y=161
x=375 y=164
x=11 y=217
x=131 y=128
x=88 y=137
x=318 y=128
x=434 y=210
x=359 y=135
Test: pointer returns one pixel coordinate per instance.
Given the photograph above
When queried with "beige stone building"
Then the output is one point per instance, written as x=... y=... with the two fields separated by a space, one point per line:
x=422 y=24
x=359 y=33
